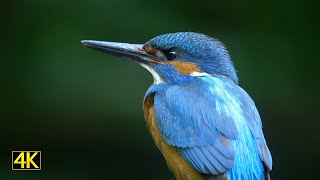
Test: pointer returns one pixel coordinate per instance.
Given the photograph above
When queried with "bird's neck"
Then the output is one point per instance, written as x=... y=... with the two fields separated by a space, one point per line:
x=222 y=67
x=169 y=75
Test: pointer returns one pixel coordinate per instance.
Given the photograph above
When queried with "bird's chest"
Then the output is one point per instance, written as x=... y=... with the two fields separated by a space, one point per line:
x=177 y=164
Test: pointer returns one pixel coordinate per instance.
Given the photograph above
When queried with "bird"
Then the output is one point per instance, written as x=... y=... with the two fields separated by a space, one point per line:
x=204 y=124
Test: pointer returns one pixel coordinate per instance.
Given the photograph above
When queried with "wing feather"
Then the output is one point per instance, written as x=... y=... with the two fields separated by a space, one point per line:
x=191 y=116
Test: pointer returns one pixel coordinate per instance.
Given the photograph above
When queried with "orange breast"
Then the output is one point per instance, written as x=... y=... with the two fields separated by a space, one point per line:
x=177 y=164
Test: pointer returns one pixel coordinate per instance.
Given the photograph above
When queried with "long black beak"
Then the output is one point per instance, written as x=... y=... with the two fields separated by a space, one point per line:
x=123 y=50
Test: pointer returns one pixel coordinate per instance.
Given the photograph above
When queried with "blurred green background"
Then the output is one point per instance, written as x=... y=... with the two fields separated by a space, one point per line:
x=83 y=109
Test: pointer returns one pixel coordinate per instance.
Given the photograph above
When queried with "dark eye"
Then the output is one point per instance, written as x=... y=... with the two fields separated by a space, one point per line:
x=170 y=55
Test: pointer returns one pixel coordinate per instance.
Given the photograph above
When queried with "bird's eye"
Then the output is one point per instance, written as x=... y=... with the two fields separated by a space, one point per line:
x=170 y=55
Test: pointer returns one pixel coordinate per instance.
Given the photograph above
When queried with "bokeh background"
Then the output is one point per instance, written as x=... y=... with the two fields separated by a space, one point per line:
x=83 y=109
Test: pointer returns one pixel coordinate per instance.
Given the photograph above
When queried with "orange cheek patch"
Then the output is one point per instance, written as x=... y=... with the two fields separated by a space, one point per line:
x=184 y=68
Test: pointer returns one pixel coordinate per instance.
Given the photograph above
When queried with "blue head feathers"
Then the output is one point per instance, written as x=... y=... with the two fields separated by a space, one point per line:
x=206 y=54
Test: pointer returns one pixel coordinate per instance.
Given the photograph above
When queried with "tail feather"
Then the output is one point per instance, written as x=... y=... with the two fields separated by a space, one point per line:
x=223 y=176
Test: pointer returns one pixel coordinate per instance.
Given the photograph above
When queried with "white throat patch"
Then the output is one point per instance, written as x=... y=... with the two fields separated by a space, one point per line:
x=156 y=76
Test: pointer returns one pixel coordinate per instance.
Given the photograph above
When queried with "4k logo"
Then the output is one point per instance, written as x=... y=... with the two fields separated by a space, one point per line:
x=26 y=160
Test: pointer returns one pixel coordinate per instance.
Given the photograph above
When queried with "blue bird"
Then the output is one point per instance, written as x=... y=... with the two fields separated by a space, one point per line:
x=205 y=125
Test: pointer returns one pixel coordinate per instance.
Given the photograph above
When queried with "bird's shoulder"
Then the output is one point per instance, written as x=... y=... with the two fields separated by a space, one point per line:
x=196 y=109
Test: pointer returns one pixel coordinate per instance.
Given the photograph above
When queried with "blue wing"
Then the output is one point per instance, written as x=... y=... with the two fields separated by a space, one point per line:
x=197 y=117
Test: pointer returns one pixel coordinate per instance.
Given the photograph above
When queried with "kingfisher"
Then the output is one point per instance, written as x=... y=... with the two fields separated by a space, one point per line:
x=205 y=125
